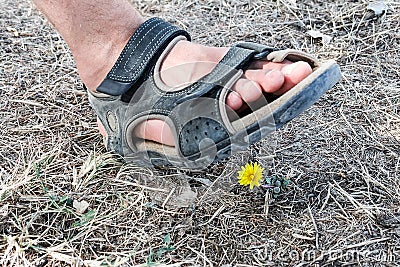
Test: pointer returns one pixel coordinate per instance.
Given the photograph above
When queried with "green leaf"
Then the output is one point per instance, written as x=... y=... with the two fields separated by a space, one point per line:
x=286 y=182
x=87 y=217
x=37 y=170
x=167 y=239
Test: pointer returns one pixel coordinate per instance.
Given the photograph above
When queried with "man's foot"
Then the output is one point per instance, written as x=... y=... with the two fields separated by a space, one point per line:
x=187 y=62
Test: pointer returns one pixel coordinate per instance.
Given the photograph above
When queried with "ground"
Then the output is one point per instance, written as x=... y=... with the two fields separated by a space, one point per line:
x=65 y=201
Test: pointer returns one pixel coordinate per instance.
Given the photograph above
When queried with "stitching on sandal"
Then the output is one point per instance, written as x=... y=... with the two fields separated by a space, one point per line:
x=142 y=61
x=152 y=45
x=139 y=42
x=131 y=40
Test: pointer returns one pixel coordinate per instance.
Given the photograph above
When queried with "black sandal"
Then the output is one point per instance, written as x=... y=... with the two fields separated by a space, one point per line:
x=204 y=128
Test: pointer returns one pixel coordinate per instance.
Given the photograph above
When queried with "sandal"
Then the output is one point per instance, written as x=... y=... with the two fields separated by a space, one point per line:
x=205 y=129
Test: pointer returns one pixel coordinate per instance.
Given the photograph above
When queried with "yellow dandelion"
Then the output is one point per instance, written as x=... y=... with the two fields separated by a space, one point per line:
x=251 y=174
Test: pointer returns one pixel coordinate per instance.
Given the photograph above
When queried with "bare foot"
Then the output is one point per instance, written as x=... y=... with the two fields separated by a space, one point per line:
x=262 y=76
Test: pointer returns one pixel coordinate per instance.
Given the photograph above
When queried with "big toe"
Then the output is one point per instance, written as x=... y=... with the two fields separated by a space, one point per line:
x=294 y=73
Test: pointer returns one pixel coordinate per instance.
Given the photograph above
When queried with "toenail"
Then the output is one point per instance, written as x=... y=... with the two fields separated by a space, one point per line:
x=287 y=70
x=270 y=73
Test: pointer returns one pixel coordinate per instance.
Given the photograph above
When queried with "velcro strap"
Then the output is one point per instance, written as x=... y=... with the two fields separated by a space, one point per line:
x=140 y=53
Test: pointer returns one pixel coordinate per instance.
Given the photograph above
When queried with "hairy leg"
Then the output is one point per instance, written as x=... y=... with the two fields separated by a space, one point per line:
x=95 y=31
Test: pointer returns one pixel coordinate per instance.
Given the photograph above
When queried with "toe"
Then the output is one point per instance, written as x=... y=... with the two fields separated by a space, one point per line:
x=234 y=101
x=270 y=81
x=269 y=65
x=249 y=90
x=294 y=73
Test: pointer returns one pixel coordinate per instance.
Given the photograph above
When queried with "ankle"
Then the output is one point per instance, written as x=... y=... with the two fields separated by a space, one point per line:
x=96 y=57
x=95 y=62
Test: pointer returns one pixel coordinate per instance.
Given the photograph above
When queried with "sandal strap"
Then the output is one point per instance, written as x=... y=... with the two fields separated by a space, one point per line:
x=140 y=53
x=237 y=58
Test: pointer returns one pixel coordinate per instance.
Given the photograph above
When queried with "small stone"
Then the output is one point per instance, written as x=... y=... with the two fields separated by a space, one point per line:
x=80 y=206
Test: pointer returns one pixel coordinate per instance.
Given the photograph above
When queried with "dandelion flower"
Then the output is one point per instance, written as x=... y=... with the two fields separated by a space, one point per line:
x=251 y=175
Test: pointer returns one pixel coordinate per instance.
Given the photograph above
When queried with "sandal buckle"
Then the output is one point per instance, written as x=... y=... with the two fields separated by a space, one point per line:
x=264 y=53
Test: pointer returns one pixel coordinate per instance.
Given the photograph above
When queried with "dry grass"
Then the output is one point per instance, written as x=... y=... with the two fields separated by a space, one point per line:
x=342 y=154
